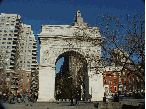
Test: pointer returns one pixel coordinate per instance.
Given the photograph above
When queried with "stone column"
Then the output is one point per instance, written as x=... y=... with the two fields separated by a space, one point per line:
x=46 y=84
x=96 y=85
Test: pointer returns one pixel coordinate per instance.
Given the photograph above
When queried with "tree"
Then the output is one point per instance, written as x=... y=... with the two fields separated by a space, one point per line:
x=124 y=43
x=3 y=58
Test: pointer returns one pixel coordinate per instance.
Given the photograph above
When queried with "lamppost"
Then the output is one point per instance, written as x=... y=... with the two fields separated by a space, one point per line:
x=71 y=92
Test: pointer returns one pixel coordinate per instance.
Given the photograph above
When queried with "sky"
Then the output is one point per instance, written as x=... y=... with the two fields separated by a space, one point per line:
x=62 y=12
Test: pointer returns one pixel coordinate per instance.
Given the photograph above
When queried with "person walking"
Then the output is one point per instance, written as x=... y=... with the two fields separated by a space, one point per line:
x=90 y=96
x=77 y=99
x=13 y=97
x=4 y=97
x=32 y=99
x=10 y=98
x=23 y=98
x=112 y=97
x=18 y=98
x=36 y=96
x=26 y=99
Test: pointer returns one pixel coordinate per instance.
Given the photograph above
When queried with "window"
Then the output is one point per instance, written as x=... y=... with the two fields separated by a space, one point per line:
x=104 y=74
x=10 y=31
x=124 y=87
x=2 y=46
x=9 y=38
x=110 y=81
x=105 y=82
x=7 y=24
x=13 y=21
x=28 y=65
x=5 y=30
x=1 y=23
x=115 y=89
x=28 y=62
x=8 y=42
x=111 y=89
x=10 y=34
x=0 y=30
x=115 y=81
x=8 y=46
x=8 y=84
x=7 y=79
x=12 y=24
x=8 y=74
x=27 y=75
x=109 y=74
x=114 y=74
x=4 y=38
x=120 y=80
x=123 y=73
x=8 y=17
x=129 y=81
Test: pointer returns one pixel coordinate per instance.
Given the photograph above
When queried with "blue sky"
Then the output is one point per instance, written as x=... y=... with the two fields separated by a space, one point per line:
x=62 y=12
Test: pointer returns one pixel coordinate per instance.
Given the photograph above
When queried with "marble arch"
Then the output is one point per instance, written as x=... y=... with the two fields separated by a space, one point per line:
x=57 y=39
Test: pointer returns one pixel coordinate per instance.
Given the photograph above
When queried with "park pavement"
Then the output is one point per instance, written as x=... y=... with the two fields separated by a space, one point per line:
x=48 y=106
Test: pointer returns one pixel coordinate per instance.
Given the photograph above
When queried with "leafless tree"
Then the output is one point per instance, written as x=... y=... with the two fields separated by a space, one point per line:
x=124 y=42
x=3 y=57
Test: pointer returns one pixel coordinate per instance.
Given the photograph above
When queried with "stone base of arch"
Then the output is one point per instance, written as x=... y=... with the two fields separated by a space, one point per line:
x=47 y=85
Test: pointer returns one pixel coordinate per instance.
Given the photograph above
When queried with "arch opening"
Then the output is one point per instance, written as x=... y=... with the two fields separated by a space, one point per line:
x=72 y=78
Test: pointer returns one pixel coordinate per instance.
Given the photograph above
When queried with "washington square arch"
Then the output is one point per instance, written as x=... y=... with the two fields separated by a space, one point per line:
x=80 y=60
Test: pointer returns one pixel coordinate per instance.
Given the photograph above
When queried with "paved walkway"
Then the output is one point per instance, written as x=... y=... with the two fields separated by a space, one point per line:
x=49 y=106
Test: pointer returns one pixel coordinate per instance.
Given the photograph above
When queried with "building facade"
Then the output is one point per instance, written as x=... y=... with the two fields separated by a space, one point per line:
x=18 y=46
x=115 y=80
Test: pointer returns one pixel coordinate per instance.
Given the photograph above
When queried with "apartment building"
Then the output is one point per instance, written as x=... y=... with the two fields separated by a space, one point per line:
x=18 y=46
x=9 y=26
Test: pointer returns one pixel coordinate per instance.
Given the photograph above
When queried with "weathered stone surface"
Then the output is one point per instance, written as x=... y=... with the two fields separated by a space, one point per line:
x=58 y=39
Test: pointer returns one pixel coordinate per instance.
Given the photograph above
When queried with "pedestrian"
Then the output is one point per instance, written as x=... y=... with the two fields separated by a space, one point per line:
x=4 y=97
x=32 y=99
x=36 y=95
x=13 y=97
x=23 y=98
x=90 y=96
x=77 y=99
x=18 y=98
x=10 y=98
x=83 y=96
x=112 y=96
x=26 y=99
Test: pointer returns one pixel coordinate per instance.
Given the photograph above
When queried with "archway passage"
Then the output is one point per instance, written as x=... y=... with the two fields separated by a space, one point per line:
x=72 y=79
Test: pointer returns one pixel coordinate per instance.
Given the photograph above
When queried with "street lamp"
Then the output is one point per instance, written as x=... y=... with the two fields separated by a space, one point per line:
x=71 y=92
